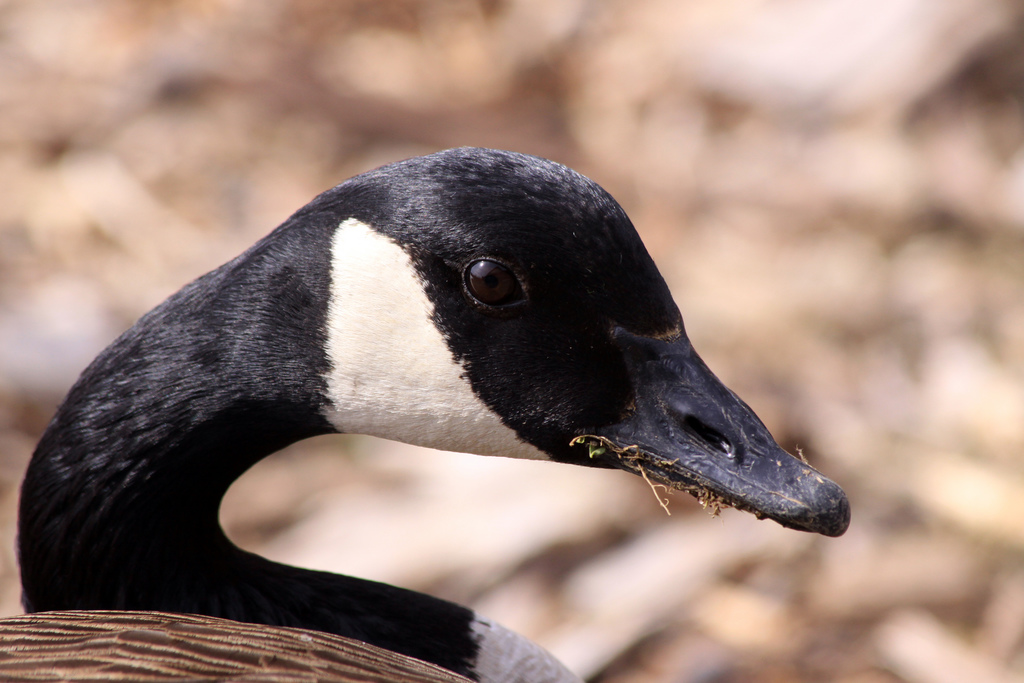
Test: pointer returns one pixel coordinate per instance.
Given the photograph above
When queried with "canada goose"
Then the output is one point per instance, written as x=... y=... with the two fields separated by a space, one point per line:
x=471 y=300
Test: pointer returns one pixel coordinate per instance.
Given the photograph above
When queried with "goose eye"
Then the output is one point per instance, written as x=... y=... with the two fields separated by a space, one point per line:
x=492 y=284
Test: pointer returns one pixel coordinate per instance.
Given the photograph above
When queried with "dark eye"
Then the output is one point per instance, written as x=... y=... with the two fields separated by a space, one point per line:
x=493 y=284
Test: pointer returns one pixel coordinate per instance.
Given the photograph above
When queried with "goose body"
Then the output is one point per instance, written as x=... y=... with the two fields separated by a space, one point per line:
x=471 y=300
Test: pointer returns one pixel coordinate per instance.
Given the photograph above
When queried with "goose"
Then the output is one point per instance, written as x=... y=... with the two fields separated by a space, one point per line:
x=471 y=300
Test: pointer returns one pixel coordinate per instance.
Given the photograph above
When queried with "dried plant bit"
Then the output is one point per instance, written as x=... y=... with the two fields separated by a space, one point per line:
x=654 y=489
x=639 y=462
x=599 y=445
x=593 y=441
x=712 y=502
x=800 y=454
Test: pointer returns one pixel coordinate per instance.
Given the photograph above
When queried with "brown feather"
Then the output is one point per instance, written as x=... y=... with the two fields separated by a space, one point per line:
x=157 y=646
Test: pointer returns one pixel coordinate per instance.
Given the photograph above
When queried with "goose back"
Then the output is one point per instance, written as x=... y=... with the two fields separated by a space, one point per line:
x=157 y=646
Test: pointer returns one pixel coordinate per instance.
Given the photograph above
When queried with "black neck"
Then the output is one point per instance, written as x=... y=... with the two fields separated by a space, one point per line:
x=119 y=505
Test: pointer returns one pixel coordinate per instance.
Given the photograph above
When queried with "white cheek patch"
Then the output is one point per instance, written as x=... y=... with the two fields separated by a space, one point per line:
x=392 y=374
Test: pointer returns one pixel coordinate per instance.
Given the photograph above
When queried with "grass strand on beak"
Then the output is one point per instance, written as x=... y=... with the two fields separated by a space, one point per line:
x=646 y=465
x=663 y=502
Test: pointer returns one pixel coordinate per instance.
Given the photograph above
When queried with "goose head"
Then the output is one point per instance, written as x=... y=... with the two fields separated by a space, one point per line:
x=471 y=300
x=502 y=304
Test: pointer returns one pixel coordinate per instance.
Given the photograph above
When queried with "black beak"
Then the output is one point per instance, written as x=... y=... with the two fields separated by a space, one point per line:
x=690 y=432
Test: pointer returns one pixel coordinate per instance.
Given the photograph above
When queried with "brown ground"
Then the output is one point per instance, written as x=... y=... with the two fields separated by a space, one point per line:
x=833 y=188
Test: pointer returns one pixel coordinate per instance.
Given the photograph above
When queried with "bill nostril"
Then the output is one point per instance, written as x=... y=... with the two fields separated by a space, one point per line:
x=709 y=435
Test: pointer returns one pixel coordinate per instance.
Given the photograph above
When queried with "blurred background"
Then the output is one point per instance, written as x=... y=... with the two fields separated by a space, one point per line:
x=834 y=190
